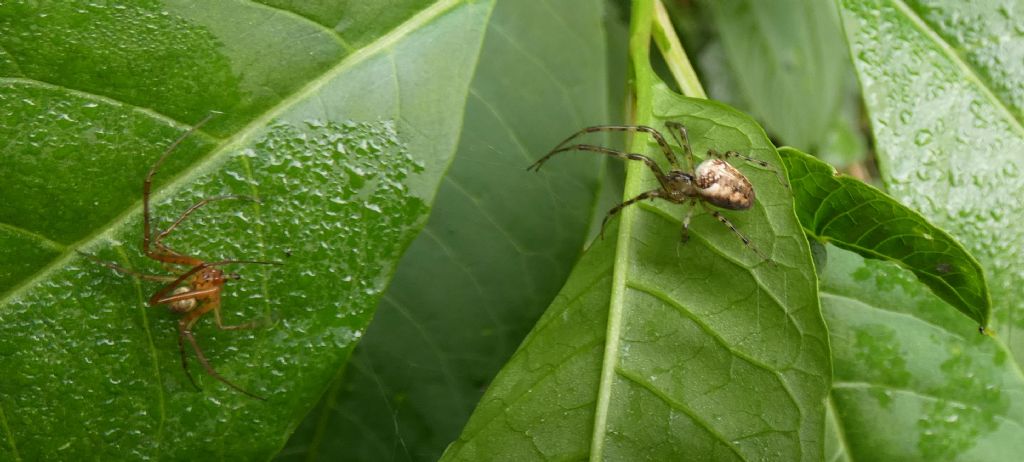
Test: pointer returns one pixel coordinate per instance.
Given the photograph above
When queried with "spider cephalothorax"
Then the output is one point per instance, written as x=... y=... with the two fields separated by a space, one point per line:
x=714 y=181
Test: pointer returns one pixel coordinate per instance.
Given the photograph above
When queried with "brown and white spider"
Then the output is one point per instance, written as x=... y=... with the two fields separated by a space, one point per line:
x=713 y=181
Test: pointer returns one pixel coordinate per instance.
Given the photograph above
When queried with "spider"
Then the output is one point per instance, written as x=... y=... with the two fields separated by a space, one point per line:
x=713 y=181
x=194 y=292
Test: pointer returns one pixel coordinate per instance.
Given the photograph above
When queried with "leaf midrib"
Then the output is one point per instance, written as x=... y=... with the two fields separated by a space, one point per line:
x=105 y=99
x=305 y=19
x=840 y=429
x=951 y=53
x=240 y=138
x=39 y=239
x=863 y=385
x=7 y=432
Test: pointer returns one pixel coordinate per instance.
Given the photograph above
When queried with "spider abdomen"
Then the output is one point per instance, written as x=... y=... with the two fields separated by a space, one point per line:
x=185 y=305
x=722 y=185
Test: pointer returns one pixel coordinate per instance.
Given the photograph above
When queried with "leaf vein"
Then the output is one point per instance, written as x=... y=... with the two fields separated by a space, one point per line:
x=893 y=312
x=485 y=212
x=959 y=61
x=729 y=258
x=147 y=328
x=14 y=60
x=7 y=431
x=323 y=27
x=847 y=212
x=563 y=90
x=717 y=337
x=844 y=444
x=446 y=369
x=851 y=385
x=429 y=232
x=681 y=408
x=902 y=264
x=239 y=138
x=149 y=112
x=39 y=238
x=551 y=370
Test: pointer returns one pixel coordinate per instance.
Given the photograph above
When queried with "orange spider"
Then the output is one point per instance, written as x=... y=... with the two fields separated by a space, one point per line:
x=195 y=292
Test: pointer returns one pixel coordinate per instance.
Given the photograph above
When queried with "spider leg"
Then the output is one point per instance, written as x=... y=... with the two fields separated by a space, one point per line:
x=222 y=326
x=147 y=187
x=614 y=210
x=242 y=326
x=601 y=150
x=160 y=297
x=745 y=239
x=683 y=139
x=130 y=272
x=185 y=331
x=250 y=262
x=764 y=165
x=167 y=251
x=684 y=234
x=157 y=240
x=192 y=294
x=665 y=147
x=184 y=358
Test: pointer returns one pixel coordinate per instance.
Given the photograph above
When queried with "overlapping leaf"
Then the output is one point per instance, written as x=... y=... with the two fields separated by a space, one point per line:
x=910 y=382
x=499 y=245
x=948 y=126
x=345 y=146
x=712 y=350
x=855 y=216
x=940 y=82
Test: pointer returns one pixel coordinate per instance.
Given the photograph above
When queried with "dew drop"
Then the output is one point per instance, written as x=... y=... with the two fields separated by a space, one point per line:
x=923 y=137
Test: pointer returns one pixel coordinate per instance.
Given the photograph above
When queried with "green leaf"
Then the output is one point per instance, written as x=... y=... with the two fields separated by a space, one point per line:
x=941 y=83
x=658 y=350
x=910 y=383
x=856 y=216
x=787 y=64
x=345 y=145
x=499 y=245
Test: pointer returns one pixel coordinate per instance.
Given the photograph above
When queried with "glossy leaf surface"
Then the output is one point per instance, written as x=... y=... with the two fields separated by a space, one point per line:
x=944 y=97
x=714 y=351
x=499 y=244
x=855 y=216
x=941 y=82
x=344 y=145
x=910 y=382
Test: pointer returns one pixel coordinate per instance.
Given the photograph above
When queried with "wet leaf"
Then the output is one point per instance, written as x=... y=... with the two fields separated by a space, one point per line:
x=902 y=357
x=343 y=135
x=941 y=82
x=855 y=216
x=660 y=350
x=499 y=245
x=944 y=99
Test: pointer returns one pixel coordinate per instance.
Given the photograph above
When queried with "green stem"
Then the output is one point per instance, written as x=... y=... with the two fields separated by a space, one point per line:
x=646 y=15
x=674 y=54
x=642 y=84
x=643 y=76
